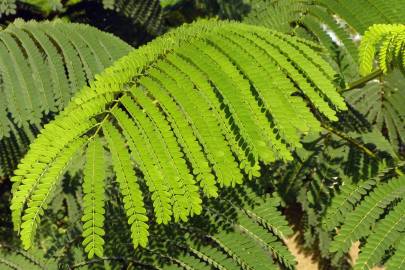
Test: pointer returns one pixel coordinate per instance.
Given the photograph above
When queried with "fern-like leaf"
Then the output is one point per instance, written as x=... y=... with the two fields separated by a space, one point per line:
x=7 y=7
x=382 y=104
x=391 y=37
x=48 y=47
x=52 y=61
x=93 y=200
x=39 y=198
x=13 y=258
x=344 y=202
x=386 y=232
x=357 y=223
x=397 y=261
x=249 y=109
x=245 y=242
x=145 y=13
x=132 y=196
x=332 y=23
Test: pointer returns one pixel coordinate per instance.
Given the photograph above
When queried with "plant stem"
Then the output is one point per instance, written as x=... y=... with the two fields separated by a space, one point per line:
x=363 y=80
x=351 y=140
x=124 y=259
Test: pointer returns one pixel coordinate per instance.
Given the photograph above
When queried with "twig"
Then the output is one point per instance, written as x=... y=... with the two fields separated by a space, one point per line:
x=363 y=80
x=125 y=259
x=351 y=140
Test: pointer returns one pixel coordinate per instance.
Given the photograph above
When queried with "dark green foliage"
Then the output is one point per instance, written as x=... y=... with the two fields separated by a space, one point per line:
x=240 y=231
x=12 y=258
x=14 y=147
x=369 y=211
x=180 y=11
x=386 y=233
x=382 y=103
x=171 y=131
x=329 y=22
x=47 y=50
x=379 y=100
x=7 y=7
x=58 y=59
x=334 y=166
x=148 y=13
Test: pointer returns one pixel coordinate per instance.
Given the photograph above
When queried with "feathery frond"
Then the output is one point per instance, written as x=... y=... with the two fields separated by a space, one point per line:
x=390 y=41
x=386 y=233
x=249 y=110
x=381 y=102
x=93 y=200
x=7 y=7
x=132 y=196
x=330 y=175
x=344 y=202
x=243 y=241
x=397 y=261
x=12 y=258
x=145 y=13
x=358 y=223
x=40 y=53
x=332 y=23
x=52 y=61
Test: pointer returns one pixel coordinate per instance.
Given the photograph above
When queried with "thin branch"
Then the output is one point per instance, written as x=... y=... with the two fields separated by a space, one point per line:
x=351 y=140
x=125 y=259
x=360 y=82
x=360 y=146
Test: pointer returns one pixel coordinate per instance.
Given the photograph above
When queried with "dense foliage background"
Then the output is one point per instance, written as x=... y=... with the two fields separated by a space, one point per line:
x=340 y=196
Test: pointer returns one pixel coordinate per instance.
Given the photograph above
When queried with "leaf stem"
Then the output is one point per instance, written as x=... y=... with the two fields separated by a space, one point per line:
x=351 y=140
x=124 y=259
x=104 y=119
x=363 y=80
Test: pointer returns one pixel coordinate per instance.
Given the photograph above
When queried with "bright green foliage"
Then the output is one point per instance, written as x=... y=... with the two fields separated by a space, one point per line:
x=248 y=83
x=192 y=115
x=132 y=196
x=390 y=41
x=336 y=25
x=93 y=200
x=44 y=51
x=358 y=223
x=43 y=186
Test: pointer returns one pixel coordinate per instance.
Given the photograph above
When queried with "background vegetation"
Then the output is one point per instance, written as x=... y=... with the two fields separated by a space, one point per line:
x=207 y=146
